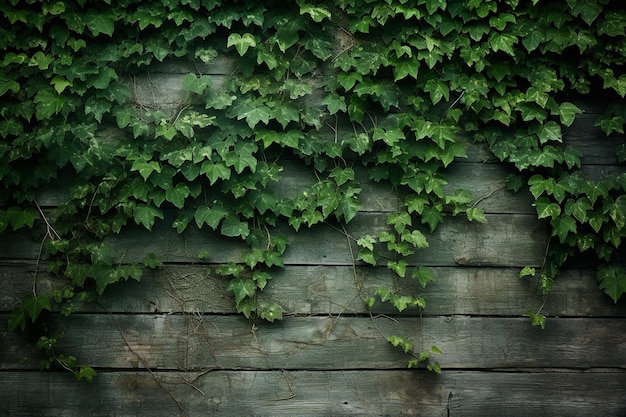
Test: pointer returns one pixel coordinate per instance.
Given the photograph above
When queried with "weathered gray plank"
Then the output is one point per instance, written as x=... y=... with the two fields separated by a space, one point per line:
x=505 y=240
x=195 y=342
x=315 y=393
x=333 y=290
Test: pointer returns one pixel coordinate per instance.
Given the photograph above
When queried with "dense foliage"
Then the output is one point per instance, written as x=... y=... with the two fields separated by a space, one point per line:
x=393 y=85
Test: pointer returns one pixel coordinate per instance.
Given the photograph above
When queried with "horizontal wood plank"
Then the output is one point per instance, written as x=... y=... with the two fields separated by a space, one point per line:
x=315 y=393
x=505 y=240
x=323 y=289
x=200 y=342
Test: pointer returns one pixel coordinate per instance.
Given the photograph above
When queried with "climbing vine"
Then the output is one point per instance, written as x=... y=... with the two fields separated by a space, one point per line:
x=390 y=85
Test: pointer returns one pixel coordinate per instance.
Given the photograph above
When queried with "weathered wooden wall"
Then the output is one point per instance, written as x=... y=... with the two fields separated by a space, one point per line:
x=173 y=345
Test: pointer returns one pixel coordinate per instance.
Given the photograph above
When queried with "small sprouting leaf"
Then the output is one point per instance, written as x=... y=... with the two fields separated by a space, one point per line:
x=152 y=261
x=85 y=372
x=270 y=311
x=536 y=319
x=527 y=271
x=366 y=242
x=399 y=341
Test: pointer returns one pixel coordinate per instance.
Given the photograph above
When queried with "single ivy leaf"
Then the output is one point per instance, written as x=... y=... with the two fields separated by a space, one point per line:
x=612 y=279
x=261 y=278
x=241 y=42
x=333 y=102
x=21 y=217
x=145 y=167
x=476 y=213
x=317 y=13
x=215 y=171
x=536 y=319
x=423 y=274
x=242 y=288
x=85 y=372
x=270 y=312
x=233 y=227
x=48 y=102
x=146 y=215
x=212 y=216
x=401 y=342
x=367 y=255
x=546 y=208
x=405 y=68
x=101 y=254
x=196 y=84
x=567 y=113
x=399 y=267
x=527 y=271
x=246 y=307
x=99 y=22
x=33 y=305
x=503 y=42
x=415 y=238
x=177 y=195
x=152 y=261
x=562 y=226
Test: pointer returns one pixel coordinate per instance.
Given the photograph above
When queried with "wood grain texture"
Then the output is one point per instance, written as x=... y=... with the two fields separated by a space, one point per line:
x=316 y=393
x=201 y=342
x=321 y=289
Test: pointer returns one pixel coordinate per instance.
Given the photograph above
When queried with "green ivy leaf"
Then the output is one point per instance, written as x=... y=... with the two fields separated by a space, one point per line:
x=401 y=342
x=241 y=42
x=562 y=226
x=33 y=305
x=100 y=22
x=536 y=318
x=546 y=208
x=145 y=167
x=146 y=215
x=476 y=213
x=233 y=227
x=242 y=288
x=318 y=14
x=270 y=311
x=367 y=255
x=19 y=218
x=197 y=84
x=423 y=274
x=177 y=195
x=567 y=113
x=612 y=279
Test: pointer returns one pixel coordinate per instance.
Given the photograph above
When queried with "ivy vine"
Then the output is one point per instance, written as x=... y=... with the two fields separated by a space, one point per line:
x=394 y=86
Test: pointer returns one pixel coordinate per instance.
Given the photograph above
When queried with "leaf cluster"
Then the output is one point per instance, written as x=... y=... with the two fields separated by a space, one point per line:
x=390 y=87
